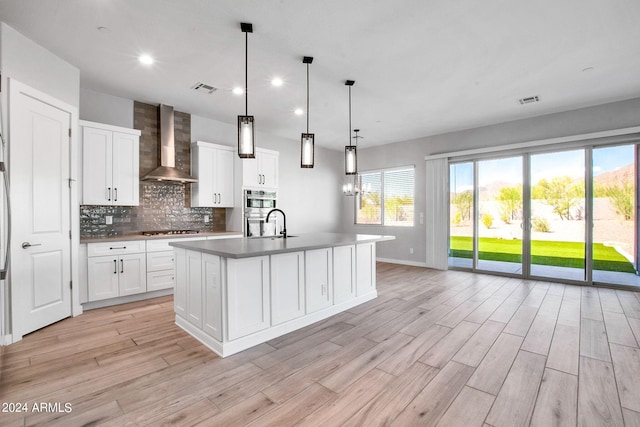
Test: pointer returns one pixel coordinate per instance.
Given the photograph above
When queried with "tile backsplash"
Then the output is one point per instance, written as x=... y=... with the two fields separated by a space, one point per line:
x=162 y=206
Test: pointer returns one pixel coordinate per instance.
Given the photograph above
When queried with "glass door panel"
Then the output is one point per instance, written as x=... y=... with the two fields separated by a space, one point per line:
x=461 y=215
x=614 y=215
x=558 y=215
x=499 y=216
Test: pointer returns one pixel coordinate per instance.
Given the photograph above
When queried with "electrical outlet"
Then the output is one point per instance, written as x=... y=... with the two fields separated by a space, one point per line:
x=108 y=220
x=206 y=219
x=411 y=251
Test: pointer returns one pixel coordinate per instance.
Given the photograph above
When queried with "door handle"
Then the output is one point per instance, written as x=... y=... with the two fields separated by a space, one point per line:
x=121 y=266
x=26 y=245
x=109 y=194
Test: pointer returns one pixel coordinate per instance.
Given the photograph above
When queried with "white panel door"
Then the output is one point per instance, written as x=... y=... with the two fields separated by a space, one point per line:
x=365 y=268
x=40 y=252
x=212 y=296
x=318 y=279
x=344 y=273
x=132 y=270
x=102 y=277
x=287 y=287
x=247 y=296
x=224 y=178
x=97 y=169
x=126 y=179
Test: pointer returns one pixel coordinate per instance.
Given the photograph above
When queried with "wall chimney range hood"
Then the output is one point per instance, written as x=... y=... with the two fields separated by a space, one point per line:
x=167 y=170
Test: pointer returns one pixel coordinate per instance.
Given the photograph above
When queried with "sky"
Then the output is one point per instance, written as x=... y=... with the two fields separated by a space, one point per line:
x=546 y=165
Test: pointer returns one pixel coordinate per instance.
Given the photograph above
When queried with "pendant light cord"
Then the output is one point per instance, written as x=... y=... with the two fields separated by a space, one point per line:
x=307 y=98
x=349 y=116
x=246 y=72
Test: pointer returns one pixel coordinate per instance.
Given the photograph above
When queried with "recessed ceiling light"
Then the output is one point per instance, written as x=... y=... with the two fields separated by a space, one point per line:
x=145 y=59
x=238 y=91
x=276 y=81
x=298 y=111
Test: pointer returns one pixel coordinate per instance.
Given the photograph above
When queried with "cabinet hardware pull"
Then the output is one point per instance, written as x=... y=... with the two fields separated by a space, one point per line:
x=115 y=190
x=115 y=266
x=121 y=266
x=109 y=194
x=219 y=198
x=117 y=247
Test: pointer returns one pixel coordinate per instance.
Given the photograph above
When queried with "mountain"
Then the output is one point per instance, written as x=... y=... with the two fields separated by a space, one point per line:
x=624 y=174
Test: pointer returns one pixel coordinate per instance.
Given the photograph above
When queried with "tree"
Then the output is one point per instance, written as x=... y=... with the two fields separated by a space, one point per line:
x=561 y=193
x=510 y=199
x=621 y=197
x=463 y=202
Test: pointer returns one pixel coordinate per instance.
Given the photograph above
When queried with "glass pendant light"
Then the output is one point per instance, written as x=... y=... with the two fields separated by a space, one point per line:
x=306 y=141
x=246 y=144
x=353 y=184
x=350 y=155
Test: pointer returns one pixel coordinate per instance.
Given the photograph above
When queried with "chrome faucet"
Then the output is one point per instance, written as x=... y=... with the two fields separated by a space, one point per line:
x=284 y=230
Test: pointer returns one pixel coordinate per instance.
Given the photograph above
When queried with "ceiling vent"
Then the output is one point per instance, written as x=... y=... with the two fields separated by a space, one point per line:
x=203 y=87
x=529 y=100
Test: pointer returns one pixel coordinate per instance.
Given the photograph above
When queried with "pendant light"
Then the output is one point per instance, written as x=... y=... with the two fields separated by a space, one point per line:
x=353 y=185
x=306 y=141
x=246 y=144
x=350 y=155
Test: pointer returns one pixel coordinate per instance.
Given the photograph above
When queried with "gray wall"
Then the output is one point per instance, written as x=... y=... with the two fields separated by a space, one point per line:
x=310 y=197
x=585 y=120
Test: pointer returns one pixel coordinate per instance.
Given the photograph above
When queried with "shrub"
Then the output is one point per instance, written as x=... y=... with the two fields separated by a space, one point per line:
x=457 y=219
x=541 y=225
x=487 y=220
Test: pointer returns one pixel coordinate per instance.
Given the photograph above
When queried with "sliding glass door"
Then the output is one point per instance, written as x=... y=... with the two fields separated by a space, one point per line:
x=566 y=215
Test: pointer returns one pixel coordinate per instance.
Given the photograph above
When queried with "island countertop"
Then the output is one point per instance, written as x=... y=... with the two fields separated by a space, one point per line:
x=247 y=248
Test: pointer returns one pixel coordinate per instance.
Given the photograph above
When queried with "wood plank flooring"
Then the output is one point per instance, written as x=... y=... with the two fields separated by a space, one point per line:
x=436 y=348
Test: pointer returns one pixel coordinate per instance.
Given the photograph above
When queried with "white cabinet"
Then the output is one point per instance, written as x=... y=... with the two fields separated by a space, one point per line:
x=187 y=295
x=344 y=273
x=115 y=269
x=365 y=268
x=261 y=171
x=110 y=166
x=247 y=296
x=180 y=290
x=212 y=164
x=318 y=279
x=160 y=263
x=211 y=272
x=287 y=287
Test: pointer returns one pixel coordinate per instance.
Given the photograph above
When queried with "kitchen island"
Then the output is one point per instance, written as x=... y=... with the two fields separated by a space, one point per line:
x=232 y=294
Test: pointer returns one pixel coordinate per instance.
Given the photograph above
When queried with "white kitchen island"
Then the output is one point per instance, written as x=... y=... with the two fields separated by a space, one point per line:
x=232 y=294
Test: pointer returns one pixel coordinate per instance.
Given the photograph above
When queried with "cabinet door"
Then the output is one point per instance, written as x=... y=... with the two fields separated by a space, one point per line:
x=96 y=167
x=247 y=296
x=126 y=176
x=164 y=279
x=365 y=268
x=224 y=178
x=180 y=291
x=102 y=277
x=268 y=167
x=250 y=173
x=203 y=164
x=287 y=287
x=194 y=288
x=318 y=279
x=212 y=296
x=132 y=270
x=344 y=273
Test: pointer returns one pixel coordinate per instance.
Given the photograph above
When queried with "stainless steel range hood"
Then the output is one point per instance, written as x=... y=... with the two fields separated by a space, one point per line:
x=167 y=170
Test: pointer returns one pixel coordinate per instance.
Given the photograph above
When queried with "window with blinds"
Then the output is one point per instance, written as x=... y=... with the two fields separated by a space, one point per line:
x=388 y=199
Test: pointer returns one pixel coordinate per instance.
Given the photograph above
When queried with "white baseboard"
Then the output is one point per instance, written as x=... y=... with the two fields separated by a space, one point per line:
x=403 y=262
x=123 y=300
x=6 y=340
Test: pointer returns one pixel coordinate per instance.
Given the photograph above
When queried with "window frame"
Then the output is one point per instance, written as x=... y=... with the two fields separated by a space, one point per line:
x=382 y=172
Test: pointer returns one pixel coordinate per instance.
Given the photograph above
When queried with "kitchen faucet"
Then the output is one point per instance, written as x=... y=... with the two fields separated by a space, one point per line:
x=284 y=230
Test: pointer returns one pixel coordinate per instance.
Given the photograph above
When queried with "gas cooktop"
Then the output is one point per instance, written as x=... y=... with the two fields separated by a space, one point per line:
x=168 y=232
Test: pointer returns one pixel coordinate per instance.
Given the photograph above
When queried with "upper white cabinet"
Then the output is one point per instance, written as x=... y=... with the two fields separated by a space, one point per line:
x=212 y=164
x=261 y=172
x=110 y=165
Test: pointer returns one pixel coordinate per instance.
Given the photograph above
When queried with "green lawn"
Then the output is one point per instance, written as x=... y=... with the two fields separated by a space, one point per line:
x=561 y=254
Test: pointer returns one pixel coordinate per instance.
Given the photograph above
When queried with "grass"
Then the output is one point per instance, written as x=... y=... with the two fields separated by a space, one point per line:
x=543 y=252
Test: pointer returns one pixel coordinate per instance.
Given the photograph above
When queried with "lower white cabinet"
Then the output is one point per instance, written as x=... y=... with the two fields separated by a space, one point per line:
x=211 y=272
x=344 y=273
x=318 y=279
x=287 y=287
x=118 y=274
x=194 y=285
x=365 y=268
x=247 y=296
x=180 y=290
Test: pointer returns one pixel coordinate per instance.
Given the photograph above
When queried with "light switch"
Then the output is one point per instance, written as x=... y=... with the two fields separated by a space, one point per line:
x=206 y=219
x=108 y=220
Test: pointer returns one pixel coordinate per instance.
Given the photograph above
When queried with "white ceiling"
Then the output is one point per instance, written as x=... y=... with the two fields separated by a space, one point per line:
x=422 y=67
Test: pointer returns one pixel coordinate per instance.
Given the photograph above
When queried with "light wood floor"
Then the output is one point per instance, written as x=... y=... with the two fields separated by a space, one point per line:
x=436 y=348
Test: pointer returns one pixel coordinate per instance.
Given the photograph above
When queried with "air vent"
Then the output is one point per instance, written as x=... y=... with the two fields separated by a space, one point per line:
x=203 y=87
x=529 y=100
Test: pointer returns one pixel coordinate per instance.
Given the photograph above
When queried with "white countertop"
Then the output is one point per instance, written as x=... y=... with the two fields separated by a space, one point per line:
x=247 y=248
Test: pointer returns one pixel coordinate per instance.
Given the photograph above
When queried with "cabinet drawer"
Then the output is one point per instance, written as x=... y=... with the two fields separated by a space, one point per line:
x=157 y=280
x=158 y=245
x=115 y=248
x=157 y=261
